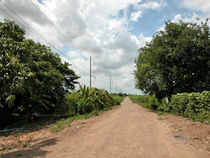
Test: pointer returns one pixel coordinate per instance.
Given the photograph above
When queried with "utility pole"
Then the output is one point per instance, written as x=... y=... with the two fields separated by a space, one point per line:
x=90 y=71
x=110 y=84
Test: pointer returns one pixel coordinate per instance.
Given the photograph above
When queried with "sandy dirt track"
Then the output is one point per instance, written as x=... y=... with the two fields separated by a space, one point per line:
x=127 y=131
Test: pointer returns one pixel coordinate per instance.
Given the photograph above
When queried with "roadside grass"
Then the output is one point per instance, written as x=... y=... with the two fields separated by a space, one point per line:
x=160 y=118
x=57 y=121
x=148 y=102
x=117 y=99
x=63 y=123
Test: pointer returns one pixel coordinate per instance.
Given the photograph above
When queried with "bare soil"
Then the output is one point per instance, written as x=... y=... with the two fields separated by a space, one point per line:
x=127 y=130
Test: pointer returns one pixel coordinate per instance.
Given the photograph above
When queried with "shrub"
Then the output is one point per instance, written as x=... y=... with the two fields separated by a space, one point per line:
x=70 y=104
x=192 y=105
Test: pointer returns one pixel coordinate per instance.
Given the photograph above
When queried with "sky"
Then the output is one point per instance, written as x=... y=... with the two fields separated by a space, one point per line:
x=110 y=31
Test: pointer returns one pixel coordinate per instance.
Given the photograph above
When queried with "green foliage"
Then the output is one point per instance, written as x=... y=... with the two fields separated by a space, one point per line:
x=146 y=101
x=70 y=103
x=192 y=105
x=87 y=100
x=177 y=60
x=33 y=78
x=121 y=95
x=117 y=99
x=61 y=124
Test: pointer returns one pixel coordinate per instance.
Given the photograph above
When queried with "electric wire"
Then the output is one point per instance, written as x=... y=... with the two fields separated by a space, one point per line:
x=55 y=27
x=70 y=34
x=40 y=36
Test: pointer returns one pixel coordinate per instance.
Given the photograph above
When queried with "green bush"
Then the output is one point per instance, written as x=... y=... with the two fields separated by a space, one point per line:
x=70 y=104
x=192 y=105
x=164 y=107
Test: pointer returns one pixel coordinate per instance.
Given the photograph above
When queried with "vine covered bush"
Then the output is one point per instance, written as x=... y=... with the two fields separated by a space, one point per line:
x=193 y=105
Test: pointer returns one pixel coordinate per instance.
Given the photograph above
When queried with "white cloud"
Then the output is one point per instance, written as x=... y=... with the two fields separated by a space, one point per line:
x=95 y=29
x=155 y=5
x=196 y=5
x=136 y=15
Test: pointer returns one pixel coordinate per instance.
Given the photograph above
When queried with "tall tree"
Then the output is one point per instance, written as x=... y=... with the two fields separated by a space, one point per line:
x=33 y=78
x=176 y=60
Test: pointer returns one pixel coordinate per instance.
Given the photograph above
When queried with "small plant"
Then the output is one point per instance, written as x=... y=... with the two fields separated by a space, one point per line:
x=3 y=138
x=26 y=144
x=96 y=112
x=19 y=142
x=177 y=127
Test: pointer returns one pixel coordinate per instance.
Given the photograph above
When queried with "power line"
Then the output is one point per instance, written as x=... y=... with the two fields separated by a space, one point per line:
x=38 y=35
x=69 y=34
x=41 y=37
x=55 y=27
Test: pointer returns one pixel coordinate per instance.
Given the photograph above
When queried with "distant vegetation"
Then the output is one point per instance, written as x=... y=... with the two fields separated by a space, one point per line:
x=146 y=101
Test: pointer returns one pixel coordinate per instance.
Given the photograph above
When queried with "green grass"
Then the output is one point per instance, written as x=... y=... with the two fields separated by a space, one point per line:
x=177 y=127
x=160 y=118
x=63 y=123
x=146 y=101
x=117 y=99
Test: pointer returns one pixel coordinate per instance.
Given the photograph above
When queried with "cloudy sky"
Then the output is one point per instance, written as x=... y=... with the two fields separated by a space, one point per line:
x=110 y=31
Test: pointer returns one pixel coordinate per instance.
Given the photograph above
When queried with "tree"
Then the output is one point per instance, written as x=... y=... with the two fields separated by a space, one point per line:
x=33 y=78
x=176 y=60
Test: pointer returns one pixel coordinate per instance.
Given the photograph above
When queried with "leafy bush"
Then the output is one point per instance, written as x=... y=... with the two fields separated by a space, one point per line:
x=164 y=107
x=192 y=105
x=179 y=103
x=70 y=104
x=87 y=100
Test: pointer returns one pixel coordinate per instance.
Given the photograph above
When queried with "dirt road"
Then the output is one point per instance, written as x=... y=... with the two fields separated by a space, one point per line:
x=128 y=131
